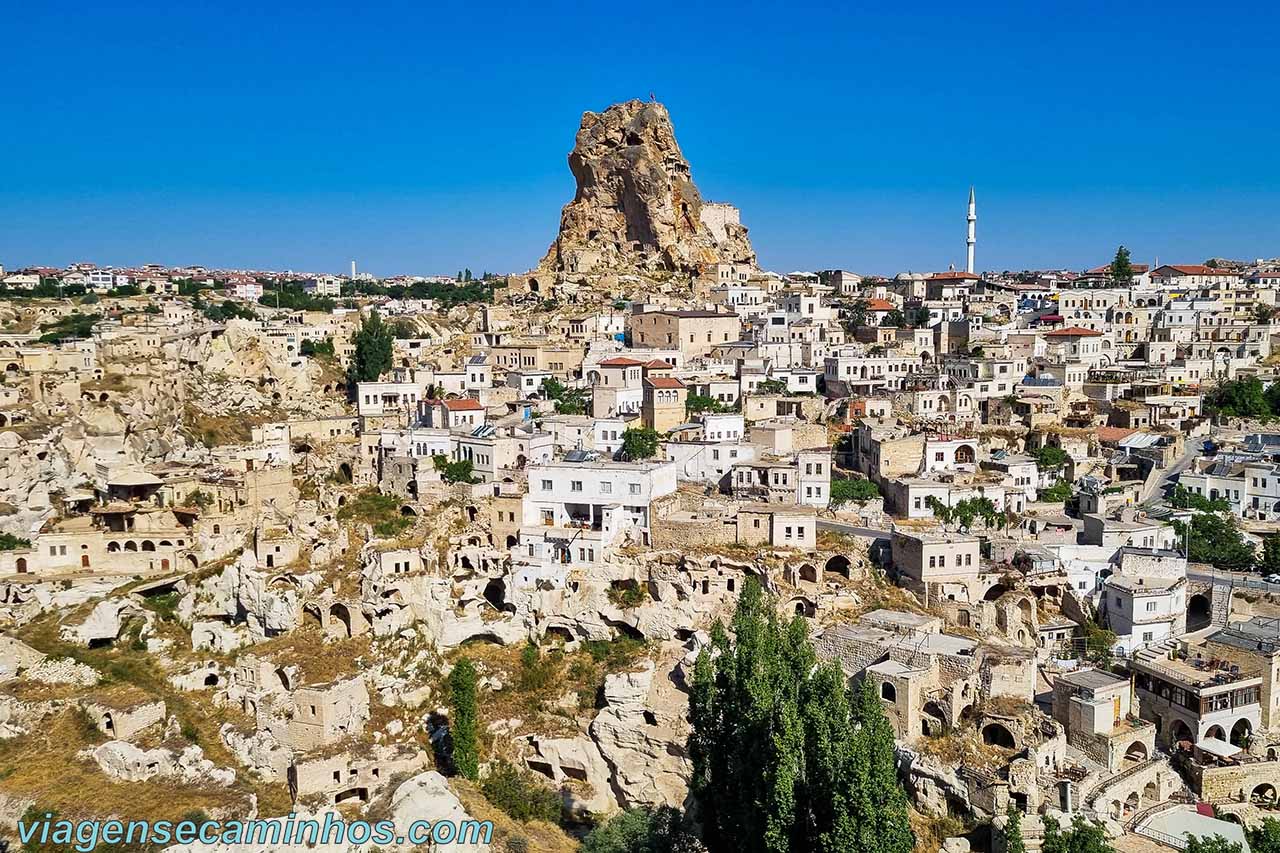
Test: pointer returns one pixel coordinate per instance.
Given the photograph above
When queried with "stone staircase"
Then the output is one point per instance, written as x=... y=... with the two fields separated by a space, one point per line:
x=1156 y=652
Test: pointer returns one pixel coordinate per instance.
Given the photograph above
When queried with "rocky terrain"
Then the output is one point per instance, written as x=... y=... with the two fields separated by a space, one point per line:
x=636 y=207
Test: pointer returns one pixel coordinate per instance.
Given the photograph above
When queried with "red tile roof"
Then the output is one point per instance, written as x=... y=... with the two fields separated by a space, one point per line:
x=664 y=382
x=658 y=364
x=880 y=305
x=1196 y=269
x=954 y=275
x=1113 y=434
x=620 y=361
x=1073 y=332
x=467 y=405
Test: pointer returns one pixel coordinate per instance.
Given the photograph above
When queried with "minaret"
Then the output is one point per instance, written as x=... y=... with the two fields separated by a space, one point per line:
x=973 y=220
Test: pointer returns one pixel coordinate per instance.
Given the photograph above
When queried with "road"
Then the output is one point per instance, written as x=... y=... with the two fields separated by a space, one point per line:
x=1194 y=448
x=1240 y=580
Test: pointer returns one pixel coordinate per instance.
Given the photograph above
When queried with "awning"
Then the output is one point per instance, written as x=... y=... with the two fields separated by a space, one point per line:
x=1218 y=747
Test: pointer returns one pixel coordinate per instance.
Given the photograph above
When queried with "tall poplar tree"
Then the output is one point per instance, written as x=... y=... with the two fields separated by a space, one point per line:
x=464 y=722
x=782 y=758
x=372 y=355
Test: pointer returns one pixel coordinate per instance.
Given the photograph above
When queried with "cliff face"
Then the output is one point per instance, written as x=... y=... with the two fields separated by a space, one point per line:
x=636 y=206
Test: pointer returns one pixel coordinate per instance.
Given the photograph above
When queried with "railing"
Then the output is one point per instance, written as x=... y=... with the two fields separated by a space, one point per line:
x=1117 y=779
x=1161 y=838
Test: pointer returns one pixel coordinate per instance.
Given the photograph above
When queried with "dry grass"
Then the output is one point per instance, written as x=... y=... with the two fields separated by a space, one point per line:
x=965 y=747
x=533 y=697
x=319 y=659
x=930 y=832
x=217 y=430
x=540 y=837
x=43 y=766
x=130 y=678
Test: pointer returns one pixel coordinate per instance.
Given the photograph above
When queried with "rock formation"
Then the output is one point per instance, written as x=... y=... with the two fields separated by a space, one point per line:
x=636 y=207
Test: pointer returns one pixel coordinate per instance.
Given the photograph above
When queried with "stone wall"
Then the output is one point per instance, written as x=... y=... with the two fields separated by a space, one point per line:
x=1221 y=784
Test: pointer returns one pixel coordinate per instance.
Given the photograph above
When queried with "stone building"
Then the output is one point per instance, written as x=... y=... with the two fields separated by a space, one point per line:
x=328 y=713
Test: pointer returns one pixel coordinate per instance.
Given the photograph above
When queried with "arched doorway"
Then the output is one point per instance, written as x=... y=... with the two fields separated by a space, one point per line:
x=888 y=692
x=1151 y=794
x=1241 y=732
x=21 y=565
x=495 y=592
x=1199 y=612
x=933 y=720
x=809 y=573
x=1137 y=752
x=1216 y=732
x=1264 y=794
x=340 y=621
x=995 y=592
x=838 y=564
x=1182 y=733
x=996 y=734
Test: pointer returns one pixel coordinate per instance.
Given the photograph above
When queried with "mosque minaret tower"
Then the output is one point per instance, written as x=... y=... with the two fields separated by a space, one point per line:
x=973 y=225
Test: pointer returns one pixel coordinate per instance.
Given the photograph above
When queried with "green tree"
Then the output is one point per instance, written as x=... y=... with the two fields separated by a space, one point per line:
x=771 y=386
x=1212 y=844
x=321 y=348
x=851 y=490
x=1099 y=643
x=858 y=314
x=1059 y=492
x=9 y=542
x=1050 y=458
x=372 y=355
x=1265 y=838
x=1215 y=538
x=782 y=759
x=1184 y=498
x=1239 y=398
x=454 y=471
x=696 y=404
x=1122 y=269
x=640 y=443
x=1013 y=842
x=464 y=723
x=1083 y=837
x=893 y=319
x=941 y=511
x=639 y=830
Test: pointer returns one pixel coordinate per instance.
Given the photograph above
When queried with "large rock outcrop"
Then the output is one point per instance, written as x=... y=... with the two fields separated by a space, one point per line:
x=636 y=206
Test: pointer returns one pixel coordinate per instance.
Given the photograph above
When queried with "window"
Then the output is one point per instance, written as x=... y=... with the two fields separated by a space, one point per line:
x=634 y=488
x=546 y=485
x=575 y=486
x=606 y=488
x=1151 y=607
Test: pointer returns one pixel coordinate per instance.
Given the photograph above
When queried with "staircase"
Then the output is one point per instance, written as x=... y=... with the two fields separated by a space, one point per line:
x=1156 y=652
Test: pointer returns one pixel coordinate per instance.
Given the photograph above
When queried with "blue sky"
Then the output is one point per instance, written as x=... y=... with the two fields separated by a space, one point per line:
x=423 y=137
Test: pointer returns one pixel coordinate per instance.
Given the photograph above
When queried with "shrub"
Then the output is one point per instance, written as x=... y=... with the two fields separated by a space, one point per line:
x=626 y=594
x=846 y=491
x=518 y=793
